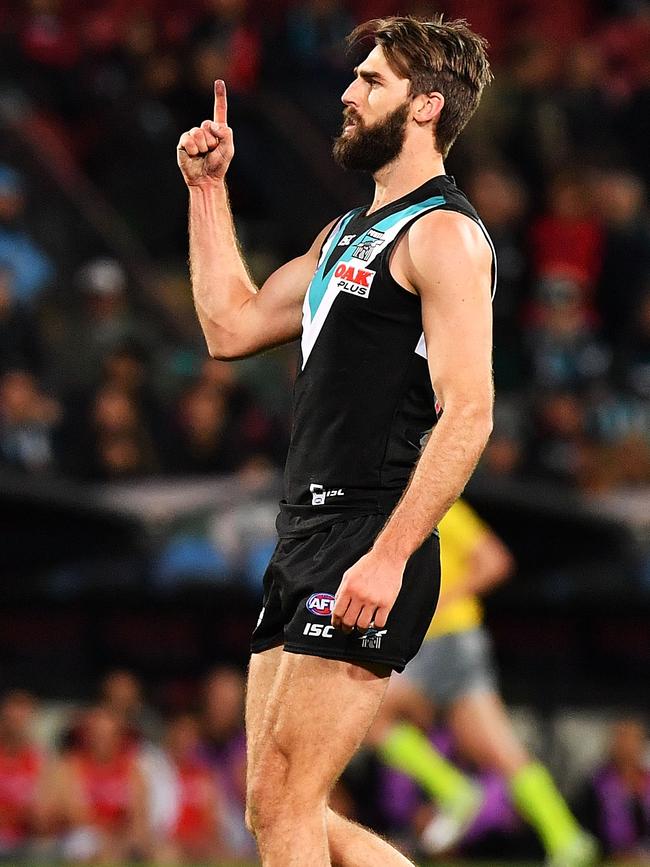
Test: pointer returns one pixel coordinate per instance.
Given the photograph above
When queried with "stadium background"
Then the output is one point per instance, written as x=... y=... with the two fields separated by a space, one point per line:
x=138 y=479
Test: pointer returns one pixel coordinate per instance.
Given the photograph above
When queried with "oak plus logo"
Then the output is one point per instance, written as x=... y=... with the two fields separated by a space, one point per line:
x=319 y=495
x=356 y=281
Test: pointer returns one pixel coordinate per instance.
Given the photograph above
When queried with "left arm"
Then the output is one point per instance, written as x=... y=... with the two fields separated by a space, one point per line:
x=447 y=261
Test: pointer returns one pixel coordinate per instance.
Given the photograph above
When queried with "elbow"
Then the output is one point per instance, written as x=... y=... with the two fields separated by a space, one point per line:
x=219 y=353
x=222 y=345
x=477 y=417
x=506 y=565
x=486 y=425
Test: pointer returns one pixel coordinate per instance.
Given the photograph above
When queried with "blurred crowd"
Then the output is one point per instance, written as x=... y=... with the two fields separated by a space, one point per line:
x=115 y=781
x=96 y=384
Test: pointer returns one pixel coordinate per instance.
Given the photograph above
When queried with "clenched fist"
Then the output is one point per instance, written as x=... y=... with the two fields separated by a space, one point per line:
x=204 y=153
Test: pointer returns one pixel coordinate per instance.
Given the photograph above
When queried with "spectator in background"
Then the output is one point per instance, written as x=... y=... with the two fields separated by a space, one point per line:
x=563 y=348
x=20 y=344
x=588 y=109
x=226 y=33
x=22 y=807
x=127 y=368
x=259 y=430
x=560 y=446
x=102 y=795
x=31 y=267
x=103 y=322
x=28 y=419
x=51 y=50
x=316 y=32
x=501 y=199
x=616 y=802
x=635 y=360
x=566 y=240
x=224 y=750
x=202 y=438
x=116 y=442
x=505 y=452
x=196 y=835
x=619 y=199
x=619 y=425
x=527 y=110
x=311 y=58
x=121 y=693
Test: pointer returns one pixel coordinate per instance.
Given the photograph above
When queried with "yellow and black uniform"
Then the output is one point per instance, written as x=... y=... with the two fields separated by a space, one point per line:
x=456 y=657
x=461 y=530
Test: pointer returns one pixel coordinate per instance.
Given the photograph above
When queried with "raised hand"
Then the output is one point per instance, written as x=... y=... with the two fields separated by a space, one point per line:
x=204 y=153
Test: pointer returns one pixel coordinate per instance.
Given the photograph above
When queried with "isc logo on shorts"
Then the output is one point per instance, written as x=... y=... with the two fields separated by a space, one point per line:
x=324 y=630
x=321 y=604
x=356 y=281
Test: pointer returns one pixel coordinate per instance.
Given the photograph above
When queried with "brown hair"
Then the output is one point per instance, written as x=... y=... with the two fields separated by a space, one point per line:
x=436 y=55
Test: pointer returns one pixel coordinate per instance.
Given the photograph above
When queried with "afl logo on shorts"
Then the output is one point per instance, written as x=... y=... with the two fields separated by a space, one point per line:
x=321 y=604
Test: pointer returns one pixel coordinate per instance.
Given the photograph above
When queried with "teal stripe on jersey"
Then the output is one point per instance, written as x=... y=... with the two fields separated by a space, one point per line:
x=318 y=284
x=320 y=280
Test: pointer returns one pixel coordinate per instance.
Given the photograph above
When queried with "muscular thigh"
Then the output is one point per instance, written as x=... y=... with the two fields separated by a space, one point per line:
x=317 y=714
x=262 y=674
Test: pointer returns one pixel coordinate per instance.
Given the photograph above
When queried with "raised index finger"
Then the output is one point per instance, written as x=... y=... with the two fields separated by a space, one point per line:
x=220 y=102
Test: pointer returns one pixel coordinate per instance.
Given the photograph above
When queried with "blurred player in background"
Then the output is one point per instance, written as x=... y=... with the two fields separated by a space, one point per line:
x=392 y=409
x=455 y=672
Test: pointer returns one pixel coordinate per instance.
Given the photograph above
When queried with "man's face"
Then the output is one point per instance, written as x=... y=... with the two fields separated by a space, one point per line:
x=375 y=118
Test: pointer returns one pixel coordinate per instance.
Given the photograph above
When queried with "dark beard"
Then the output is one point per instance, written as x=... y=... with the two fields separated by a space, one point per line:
x=370 y=148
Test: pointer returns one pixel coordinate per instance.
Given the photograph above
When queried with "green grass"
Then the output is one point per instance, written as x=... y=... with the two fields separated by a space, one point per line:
x=423 y=864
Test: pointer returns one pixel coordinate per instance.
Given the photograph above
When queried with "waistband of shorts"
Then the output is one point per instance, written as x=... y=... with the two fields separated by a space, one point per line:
x=295 y=521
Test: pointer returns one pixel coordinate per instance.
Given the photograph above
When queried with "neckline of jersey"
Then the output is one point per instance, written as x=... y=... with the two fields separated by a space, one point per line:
x=364 y=215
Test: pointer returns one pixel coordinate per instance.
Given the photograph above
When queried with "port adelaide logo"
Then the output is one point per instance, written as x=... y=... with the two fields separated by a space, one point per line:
x=321 y=604
x=372 y=637
x=368 y=244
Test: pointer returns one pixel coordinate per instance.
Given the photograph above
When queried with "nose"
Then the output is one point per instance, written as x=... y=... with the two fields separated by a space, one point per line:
x=348 y=95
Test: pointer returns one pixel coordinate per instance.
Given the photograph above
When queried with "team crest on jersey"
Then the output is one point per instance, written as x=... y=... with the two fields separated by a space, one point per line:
x=367 y=245
x=356 y=281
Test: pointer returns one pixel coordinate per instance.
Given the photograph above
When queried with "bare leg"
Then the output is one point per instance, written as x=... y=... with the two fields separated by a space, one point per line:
x=352 y=845
x=290 y=717
x=403 y=701
x=485 y=734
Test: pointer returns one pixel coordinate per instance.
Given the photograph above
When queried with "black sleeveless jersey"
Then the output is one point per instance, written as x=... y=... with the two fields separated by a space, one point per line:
x=363 y=401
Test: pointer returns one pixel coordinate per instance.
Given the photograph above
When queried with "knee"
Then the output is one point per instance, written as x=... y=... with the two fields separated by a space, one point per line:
x=277 y=789
x=263 y=790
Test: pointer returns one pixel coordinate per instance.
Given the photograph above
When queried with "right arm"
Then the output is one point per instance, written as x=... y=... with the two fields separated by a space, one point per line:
x=236 y=317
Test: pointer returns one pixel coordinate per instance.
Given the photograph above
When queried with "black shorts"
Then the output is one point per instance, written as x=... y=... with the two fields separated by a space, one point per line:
x=303 y=576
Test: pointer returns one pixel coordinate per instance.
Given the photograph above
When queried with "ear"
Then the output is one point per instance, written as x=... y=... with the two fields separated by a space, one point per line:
x=427 y=106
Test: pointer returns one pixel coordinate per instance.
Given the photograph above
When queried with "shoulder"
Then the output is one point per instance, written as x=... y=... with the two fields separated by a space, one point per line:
x=441 y=246
x=444 y=234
